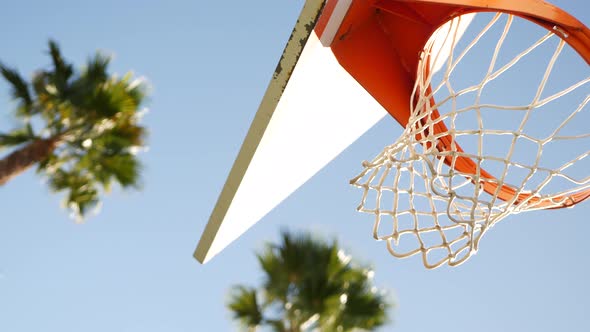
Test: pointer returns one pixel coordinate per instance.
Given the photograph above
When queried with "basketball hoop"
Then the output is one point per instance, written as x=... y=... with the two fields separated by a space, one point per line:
x=487 y=132
x=456 y=170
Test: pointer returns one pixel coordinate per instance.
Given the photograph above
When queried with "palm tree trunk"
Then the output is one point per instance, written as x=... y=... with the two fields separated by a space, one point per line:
x=25 y=157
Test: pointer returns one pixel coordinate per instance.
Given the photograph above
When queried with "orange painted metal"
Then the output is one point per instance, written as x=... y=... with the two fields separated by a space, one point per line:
x=380 y=41
x=322 y=22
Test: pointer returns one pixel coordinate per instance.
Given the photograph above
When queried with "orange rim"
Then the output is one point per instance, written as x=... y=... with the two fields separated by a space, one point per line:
x=379 y=43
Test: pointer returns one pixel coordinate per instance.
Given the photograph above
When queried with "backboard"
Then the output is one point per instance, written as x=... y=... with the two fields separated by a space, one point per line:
x=290 y=133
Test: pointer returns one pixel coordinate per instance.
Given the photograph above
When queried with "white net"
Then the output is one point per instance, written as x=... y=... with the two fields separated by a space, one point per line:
x=501 y=129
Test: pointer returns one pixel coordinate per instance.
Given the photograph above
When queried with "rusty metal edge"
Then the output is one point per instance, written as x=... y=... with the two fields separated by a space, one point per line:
x=303 y=28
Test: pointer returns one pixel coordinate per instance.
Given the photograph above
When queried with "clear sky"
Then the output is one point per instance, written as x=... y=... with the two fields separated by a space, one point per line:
x=131 y=268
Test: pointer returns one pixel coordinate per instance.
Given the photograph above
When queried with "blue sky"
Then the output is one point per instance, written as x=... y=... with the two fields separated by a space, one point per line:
x=131 y=268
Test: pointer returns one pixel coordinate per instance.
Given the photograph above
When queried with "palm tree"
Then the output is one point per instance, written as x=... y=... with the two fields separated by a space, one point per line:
x=79 y=127
x=309 y=285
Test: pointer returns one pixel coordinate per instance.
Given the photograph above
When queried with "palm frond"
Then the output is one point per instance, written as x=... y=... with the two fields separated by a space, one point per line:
x=244 y=306
x=124 y=167
x=16 y=137
x=359 y=305
x=62 y=71
x=96 y=69
x=82 y=195
x=277 y=325
x=19 y=89
x=364 y=310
